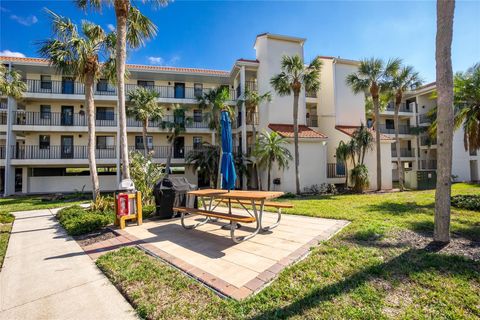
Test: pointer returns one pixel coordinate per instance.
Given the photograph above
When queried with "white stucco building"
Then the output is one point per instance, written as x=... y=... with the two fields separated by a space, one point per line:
x=43 y=136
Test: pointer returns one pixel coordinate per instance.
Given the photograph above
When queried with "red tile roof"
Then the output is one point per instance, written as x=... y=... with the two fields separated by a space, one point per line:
x=130 y=66
x=349 y=130
x=286 y=130
x=248 y=60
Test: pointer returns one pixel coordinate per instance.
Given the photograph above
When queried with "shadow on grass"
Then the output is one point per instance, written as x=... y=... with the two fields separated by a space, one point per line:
x=398 y=269
x=470 y=232
x=396 y=208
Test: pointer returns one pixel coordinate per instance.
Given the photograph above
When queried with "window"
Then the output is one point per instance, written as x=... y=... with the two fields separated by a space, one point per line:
x=198 y=89
x=44 y=142
x=46 y=82
x=139 y=142
x=144 y=83
x=105 y=142
x=197 y=115
x=102 y=85
x=389 y=124
x=197 y=142
x=45 y=112
x=105 y=113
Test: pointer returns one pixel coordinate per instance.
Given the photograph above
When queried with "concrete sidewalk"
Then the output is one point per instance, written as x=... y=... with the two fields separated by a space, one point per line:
x=46 y=275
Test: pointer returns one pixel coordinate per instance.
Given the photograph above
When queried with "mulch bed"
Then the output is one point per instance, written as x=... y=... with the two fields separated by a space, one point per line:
x=98 y=236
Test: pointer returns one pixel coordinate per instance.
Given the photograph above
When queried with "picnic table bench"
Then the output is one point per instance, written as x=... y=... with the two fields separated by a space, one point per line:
x=254 y=199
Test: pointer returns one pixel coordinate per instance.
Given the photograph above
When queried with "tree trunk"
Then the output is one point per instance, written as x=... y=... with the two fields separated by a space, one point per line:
x=346 y=174
x=268 y=174
x=169 y=158
x=121 y=12
x=92 y=161
x=296 y=96
x=376 y=107
x=144 y=137
x=397 y=147
x=445 y=11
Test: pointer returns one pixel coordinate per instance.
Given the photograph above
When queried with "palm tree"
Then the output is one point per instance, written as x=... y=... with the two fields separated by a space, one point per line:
x=443 y=57
x=206 y=161
x=342 y=153
x=215 y=101
x=361 y=142
x=143 y=108
x=175 y=129
x=372 y=78
x=253 y=100
x=271 y=148
x=77 y=54
x=467 y=105
x=133 y=28
x=402 y=80
x=294 y=78
x=11 y=83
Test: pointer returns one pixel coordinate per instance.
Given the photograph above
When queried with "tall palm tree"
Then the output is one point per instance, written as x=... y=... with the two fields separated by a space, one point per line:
x=444 y=75
x=271 y=148
x=78 y=54
x=215 y=101
x=175 y=129
x=372 y=78
x=143 y=108
x=294 y=78
x=133 y=28
x=253 y=100
x=467 y=106
x=402 y=80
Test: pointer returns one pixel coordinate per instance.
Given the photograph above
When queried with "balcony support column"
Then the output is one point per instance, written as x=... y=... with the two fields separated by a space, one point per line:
x=117 y=149
x=244 y=121
x=9 y=187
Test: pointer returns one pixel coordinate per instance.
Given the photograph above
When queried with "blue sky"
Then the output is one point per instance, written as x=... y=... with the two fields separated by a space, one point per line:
x=208 y=34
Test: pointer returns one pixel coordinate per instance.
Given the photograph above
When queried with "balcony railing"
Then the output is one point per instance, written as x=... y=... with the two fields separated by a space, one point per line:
x=335 y=170
x=251 y=85
x=402 y=129
x=427 y=141
x=424 y=118
x=312 y=121
x=408 y=153
x=161 y=152
x=74 y=87
x=59 y=152
x=3 y=117
x=2 y=152
x=403 y=107
x=428 y=164
x=252 y=118
x=3 y=105
x=32 y=118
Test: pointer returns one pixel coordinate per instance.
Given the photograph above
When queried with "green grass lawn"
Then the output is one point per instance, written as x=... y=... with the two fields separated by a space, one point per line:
x=368 y=271
x=12 y=204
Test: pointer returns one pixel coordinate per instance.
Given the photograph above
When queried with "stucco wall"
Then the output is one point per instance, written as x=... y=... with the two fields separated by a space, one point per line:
x=68 y=184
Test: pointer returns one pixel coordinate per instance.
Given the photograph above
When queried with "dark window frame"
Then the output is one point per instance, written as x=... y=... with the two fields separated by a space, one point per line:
x=45 y=111
x=46 y=84
x=44 y=144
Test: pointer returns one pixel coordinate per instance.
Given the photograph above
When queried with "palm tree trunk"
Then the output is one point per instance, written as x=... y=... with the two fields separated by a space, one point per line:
x=269 y=174
x=92 y=161
x=144 y=137
x=296 y=96
x=376 y=106
x=346 y=174
x=445 y=11
x=397 y=147
x=121 y=12
x=169 y=158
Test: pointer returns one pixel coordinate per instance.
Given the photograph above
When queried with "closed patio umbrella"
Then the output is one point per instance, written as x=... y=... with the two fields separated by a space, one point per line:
x=227 y=169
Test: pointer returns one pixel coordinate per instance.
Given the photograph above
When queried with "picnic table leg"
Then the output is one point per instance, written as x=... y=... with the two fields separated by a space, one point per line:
x=229 y=225
x=233 y=226
x=193 y=226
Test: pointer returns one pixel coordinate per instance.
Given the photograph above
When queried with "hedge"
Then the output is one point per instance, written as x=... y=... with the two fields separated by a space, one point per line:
x=467 y=201
x=77 y=220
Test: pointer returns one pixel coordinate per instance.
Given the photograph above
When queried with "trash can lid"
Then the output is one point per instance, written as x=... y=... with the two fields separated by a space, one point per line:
x=126 y=184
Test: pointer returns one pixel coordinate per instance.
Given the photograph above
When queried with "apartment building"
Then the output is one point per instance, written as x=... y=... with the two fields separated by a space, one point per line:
x=43 y=136
x=417 y=150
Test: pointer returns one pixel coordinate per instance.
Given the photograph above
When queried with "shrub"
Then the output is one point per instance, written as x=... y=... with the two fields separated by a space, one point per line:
x=145 y=174
x=103 y=204
x=360 y=178
x=6 y=218
x=467 y=201
x=77 y=220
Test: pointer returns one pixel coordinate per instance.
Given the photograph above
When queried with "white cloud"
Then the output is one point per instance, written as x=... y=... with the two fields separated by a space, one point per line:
x=111 y=27
x=8 y=53
x=26 y=21
x=2 y=9
x=162 y=62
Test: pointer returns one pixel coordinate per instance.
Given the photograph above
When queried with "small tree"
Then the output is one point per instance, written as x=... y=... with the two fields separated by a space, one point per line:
x=271 y=148
x=342 y=153
x=206 y=161
x=144 y=107
x=294 y=77
x=145 y=174
x=11 y=83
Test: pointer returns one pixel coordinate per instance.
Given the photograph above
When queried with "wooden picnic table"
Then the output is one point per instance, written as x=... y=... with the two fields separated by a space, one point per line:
x=211 y=198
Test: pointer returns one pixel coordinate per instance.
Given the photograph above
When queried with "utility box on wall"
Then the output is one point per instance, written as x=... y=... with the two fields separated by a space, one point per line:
x=421 y=179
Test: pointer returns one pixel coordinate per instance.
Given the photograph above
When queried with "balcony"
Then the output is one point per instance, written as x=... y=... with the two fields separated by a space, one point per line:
x=427 y=141
x=35 y=152
x=311 y=94
x=402 y=129
x=2 y=152
x=403 y=108
x=251 y=85
x=3 y=117
x=312 y=121
x=428 y=164
x=404 y=153
x=161 y=152
x=31 y=118
x=424 y=119
x=77 y=88
x=252 y=118
x=335 y=170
